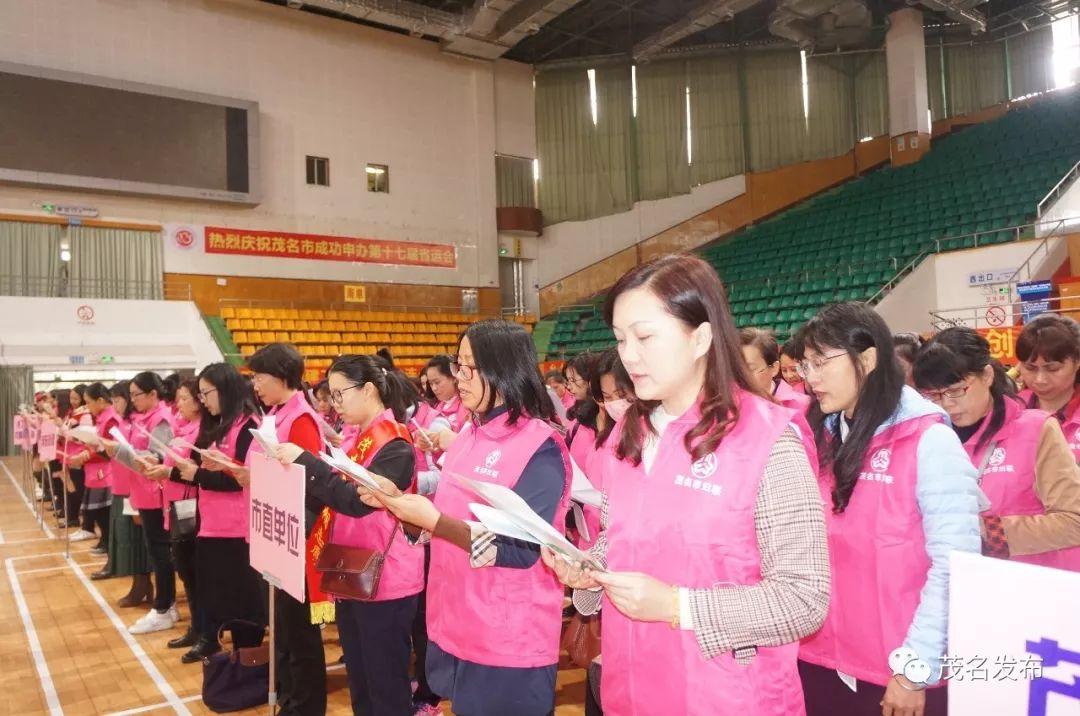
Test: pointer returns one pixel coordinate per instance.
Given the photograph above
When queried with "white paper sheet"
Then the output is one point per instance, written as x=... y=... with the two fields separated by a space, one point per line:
x=581 y=490
x=515 y=508
x=499 y=523
x=338 y=460
x=266 y=435
x=119 y=437
x=84 y=434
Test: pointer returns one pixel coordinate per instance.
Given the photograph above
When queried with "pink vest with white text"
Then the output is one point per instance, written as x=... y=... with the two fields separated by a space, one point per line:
x=403 y=571
x=225 y=514
x=494 y=616
x=146 y=493
x=1009 y=476
x=691 y=523
x=877 y=548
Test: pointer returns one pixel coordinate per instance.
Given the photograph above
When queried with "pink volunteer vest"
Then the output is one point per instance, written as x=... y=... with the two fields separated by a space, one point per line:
x=1071 y=426
x=403 y=572
x=582 y=448
x=175 y=491
x=494 y=616
x=80 y=417
x=146 y=493
x=1008 y=478
x=691 y=523
x=225 y=514
x=99 y=470
x=791 y=398
x=121 y=475
x=879 y=563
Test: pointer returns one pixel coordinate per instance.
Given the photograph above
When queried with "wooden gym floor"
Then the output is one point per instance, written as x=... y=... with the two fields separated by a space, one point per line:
x=65 y=646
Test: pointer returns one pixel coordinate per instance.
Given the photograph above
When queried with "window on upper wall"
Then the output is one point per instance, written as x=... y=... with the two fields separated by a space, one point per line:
x=318 y=171
x=378 y=178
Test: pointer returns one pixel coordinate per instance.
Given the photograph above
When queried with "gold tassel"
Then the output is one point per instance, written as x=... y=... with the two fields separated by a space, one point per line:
x=322 y=612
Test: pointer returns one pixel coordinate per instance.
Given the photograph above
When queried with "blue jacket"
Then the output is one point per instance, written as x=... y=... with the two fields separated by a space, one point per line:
x=950 y=500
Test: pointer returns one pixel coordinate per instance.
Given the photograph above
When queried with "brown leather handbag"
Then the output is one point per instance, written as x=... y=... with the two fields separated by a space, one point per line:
x=581 y=639
x=352 y=572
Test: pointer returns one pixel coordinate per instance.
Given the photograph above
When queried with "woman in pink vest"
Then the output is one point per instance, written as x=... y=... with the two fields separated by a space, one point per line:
x=376 y=634
x=901 y=495
x=278 y=381
x=715 y=541
x=152 y=418
x=1049 y=353
x=97 y=468
x=78 y=416
x=494 y=611
x=178 y=495
x=762 y=356
x=227 y=588
x=788 y=367
x=1025 y=465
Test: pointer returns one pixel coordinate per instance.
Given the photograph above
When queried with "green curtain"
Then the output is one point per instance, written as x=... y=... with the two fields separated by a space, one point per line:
x=29 y=259
x=976 y=77
x=715 y=117
x=774 y=109
x=830 y=120
x=663 y=166
x=16 y=387
x=585 y=169
x=514 y=185
x=115 y=263
x=1030 y=57
x=935 y=83
x=872 y=95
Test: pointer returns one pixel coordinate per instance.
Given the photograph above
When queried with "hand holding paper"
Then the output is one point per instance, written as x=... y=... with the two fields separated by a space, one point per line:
x=85 y=435
x=356 y=472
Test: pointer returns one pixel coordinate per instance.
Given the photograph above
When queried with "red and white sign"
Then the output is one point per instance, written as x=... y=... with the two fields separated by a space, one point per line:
x=85 y=314
x=995 y=316
x=276 y=526
x=184 y=236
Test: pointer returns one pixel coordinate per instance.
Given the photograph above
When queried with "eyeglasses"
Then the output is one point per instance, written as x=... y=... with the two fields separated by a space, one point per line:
x=136 y=394
x=204 y=394
x=805 y=367
x=938 y=396
x=576 y=380
x=462 y=371
x=336 y=396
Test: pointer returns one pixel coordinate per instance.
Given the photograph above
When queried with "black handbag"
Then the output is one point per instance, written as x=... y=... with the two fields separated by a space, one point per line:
x=183 y=518
x=237 y=679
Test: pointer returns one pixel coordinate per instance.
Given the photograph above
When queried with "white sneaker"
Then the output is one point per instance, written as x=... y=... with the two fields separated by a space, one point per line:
x=81 y=535
x=152 y=622
x=174 y=612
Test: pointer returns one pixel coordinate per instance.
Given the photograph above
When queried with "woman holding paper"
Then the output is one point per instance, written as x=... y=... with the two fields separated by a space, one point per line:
x=152 y=423
x=78 y=416
x=443 y=415
x=226 y=586
x=494 y=611
x=97 y=466
x=716 y=555
x=375 y=633
x=278 y=380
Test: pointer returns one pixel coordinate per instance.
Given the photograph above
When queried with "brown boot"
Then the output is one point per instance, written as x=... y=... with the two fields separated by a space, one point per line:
x=142 y=590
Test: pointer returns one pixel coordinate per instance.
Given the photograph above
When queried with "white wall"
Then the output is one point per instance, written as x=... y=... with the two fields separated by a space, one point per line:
x=1067 y=207
x=139 y=335
x=570 y=246
x=326 y=88
x=941 y=284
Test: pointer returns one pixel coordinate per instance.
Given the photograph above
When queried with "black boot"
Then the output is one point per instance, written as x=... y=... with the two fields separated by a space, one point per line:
x=185 y=641
x=203 y=648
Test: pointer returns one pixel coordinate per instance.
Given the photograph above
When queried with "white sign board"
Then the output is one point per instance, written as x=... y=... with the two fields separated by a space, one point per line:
x=276 y=528
x=1014 y=639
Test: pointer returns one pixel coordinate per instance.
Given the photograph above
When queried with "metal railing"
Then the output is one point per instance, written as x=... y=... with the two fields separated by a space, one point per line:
x=66 y=287
x=976 y=316
x=1064 y=183
x=343 y=306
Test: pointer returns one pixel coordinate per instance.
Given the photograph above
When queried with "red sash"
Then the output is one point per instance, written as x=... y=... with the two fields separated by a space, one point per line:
x=367 y=446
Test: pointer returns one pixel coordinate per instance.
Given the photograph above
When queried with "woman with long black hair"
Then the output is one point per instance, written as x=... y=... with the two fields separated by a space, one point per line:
x=494 y=611
x=1025 y=465
x=375 y=633
x=96 y=467
x=903 y=495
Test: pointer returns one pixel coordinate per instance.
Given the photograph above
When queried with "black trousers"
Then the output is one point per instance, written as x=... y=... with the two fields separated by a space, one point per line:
x=375 y=637
x=424 y=694
x=99 y=518
x=301 y=661
x=157 y=545
x=228 y=588
x=592 y=690
x=183 y=554
x=74 y=499
x=827 y=695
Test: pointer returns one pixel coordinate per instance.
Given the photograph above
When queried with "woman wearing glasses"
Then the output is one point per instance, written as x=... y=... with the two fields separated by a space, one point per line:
x=715 y=541
x=228 y=589
x=1025 y=465
x=494 y=611
x=762 y=356
x=375 y=633
x=903 y=495
x=278 y=373
x=152 y=429
x=1049 y=353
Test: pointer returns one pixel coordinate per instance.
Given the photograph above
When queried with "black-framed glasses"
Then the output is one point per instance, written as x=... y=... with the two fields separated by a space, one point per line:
x=136 y=394
x=953 y=393
x=336 y=396
x=462 y=371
